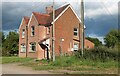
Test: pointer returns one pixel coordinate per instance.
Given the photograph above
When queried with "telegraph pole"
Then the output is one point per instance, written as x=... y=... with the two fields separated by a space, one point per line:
x=53 y=35
x=26 y=40
x=82 y=19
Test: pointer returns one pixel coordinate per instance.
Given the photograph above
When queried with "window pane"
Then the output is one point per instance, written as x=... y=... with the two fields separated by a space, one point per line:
x=75 y=31
x=75 y=47
x=32 y=47
x=23 y=48
x=23 y=33
x=32 y=31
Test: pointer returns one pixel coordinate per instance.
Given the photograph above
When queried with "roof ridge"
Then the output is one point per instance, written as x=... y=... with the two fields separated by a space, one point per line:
x=26 y=17
x=64 y=5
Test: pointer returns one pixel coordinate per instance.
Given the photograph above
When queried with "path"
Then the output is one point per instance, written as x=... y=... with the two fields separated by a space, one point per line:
x=16 y=69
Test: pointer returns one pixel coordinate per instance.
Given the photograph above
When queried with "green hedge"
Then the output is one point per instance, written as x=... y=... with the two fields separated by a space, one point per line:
x=99 y=53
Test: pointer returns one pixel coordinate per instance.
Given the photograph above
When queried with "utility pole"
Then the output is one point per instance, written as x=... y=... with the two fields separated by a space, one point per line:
x=82 y=19
x=26 y=40
x=53 y=35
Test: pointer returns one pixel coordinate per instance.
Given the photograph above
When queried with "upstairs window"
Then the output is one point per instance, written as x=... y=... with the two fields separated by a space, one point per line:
x=23 y=33
x=75 y=47
x=32 y=47
x=32 y=31
x=75 y=31
x=23 y=48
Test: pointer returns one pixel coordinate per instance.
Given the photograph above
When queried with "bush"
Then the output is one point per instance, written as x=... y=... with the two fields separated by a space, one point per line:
x=99 y=53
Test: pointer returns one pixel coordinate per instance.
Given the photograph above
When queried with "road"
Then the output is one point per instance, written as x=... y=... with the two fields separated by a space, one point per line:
x=16 y=69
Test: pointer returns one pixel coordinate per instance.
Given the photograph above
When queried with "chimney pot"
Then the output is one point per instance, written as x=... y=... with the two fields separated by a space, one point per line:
x=49 y=9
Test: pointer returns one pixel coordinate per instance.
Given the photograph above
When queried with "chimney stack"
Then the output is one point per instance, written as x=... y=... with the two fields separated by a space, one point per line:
x=49 y=9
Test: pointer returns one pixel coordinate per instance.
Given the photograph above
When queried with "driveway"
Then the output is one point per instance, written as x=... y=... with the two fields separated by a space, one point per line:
x=14 y=68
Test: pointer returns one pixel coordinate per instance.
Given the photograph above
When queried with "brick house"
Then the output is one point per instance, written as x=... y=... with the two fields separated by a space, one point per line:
x=35 y=33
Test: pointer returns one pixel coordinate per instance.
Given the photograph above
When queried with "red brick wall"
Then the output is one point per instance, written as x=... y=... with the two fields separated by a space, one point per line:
x=64 y=27
x=40 y=33
x=88 y=44
x=22 y=40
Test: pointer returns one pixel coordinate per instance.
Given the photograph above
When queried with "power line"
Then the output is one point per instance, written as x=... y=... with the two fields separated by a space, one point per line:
x=106 y=9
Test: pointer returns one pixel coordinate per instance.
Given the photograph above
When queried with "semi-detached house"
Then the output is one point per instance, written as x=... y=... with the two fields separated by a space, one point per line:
x=35 y=33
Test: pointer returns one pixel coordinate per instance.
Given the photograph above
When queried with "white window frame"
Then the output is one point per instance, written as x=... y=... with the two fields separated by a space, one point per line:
x=32 y=30
x=23 y=33
x=75 y=31
x=32 y=45
x=75 y=46
x=23 y=48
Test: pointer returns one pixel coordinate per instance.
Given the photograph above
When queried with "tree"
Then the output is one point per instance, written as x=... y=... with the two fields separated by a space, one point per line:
x=95 y=41
x=10 y=45
x=2 y=37
x=112 y=38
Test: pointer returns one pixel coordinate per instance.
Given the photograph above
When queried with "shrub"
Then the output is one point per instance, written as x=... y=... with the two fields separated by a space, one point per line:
x=99 y=53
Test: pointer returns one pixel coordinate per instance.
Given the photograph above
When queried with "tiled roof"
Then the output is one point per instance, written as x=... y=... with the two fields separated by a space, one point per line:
x=46 y=19
x=41 y=18
x=26 y=18
x=57 y=12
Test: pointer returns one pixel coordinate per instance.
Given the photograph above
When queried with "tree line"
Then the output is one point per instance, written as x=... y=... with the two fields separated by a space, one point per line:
x=10 y=43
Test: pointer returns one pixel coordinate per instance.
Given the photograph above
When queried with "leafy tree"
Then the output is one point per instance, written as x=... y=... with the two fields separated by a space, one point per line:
x=112 y=38
x=95 y=41
x=2 y=37
x=10 y=45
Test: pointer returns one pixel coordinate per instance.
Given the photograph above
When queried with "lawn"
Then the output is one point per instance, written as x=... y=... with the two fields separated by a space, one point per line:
x=69 y=63
x=6 y=60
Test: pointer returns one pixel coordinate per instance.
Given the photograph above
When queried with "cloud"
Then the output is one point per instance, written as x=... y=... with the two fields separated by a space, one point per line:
x=97 y=19
x=102 y=25
x=12 y=13
x=100 y=9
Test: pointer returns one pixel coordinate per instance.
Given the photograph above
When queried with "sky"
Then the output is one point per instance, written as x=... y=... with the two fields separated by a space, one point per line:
x=100 y=15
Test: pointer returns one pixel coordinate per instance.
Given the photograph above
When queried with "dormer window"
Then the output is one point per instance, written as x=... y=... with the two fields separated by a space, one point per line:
x=23 y=33
x=32 y=31
x=75 y=31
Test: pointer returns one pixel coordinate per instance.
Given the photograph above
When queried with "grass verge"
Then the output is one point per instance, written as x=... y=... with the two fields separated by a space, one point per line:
x=69 y=63
x=6 y=60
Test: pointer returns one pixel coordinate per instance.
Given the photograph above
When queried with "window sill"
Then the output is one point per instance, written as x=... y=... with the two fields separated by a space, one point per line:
x=32 y=51
x=22 y=52
x=75 y=35
x=32 y=36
